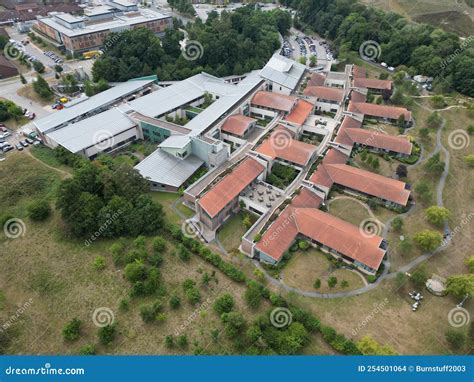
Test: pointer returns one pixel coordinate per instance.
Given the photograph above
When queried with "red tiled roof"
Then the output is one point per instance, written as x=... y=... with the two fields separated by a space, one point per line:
x=359 y=71
x=372 y=83
x=357 y=96
x=274 y=101
x=334 y=156
x=281 y=233
x=281 y=145
x=324 y=228
x=237 y=124
x=368 y=183
x=300 y=113
x=381 y=111
x=317 y=79
x=231 y=186
x=374 y=139
x=341 y=236
x=324 y=93
x=350 y=123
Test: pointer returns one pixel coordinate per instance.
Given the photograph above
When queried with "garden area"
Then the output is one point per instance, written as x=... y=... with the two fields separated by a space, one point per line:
x=281 y=175
x=230 y=234
x=313 y=270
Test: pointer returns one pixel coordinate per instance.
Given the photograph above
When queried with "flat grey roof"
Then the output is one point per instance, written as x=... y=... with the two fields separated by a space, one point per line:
x=171 y=97
x=218 y=108
x=88 y=132
x=283 y=71
x=61 y=117
x=162 y=167
x=116 y=23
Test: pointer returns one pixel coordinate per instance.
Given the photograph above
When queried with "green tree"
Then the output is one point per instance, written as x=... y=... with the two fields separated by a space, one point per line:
x=38 y=66
x=234 y=323
x=437 y=215
x=470 y=264
x=419 y=276
x=428 y=240
x=461 y=285
x=41 y=87
x=317 y=284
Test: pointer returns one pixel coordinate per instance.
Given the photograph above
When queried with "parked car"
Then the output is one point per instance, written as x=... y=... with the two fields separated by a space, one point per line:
x=29 y=141
x=391 y=68
x=19 y=147
x=7 y=148
x=3 y=129
x=4 y=135
x=32 y=116
x=24 y=143
x=383 y=64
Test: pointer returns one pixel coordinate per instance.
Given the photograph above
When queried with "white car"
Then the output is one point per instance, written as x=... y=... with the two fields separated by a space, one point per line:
x=4 y=135
x=391 y=68
x=384 y=64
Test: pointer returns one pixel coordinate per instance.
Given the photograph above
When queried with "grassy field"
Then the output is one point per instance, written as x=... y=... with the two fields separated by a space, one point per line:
x=305 y=267
x=230 y=235
x=451 y=15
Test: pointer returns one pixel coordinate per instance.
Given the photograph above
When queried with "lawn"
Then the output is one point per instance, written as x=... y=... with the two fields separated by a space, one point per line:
x=230 y=234
x=167 y=199
x=305 y=267
x=56 y=274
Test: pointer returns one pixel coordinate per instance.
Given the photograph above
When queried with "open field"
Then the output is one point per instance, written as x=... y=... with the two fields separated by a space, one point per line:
x=305 y=267
x=451 y=15
x=53 y=276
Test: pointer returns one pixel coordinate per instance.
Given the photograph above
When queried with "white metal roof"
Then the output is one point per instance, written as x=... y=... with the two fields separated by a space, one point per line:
x=98 y=101
x=165 y=100
x=175 y=142
x=88 y=132
x=283 y=71
x=164 y=168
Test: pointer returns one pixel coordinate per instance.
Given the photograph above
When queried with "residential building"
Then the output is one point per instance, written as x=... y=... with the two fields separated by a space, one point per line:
x=282 y=75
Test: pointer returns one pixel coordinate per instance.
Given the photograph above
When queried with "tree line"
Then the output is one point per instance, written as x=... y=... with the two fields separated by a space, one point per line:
x=420 y=48
x=232 y=43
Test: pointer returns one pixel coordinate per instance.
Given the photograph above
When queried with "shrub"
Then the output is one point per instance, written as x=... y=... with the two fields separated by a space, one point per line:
x=317 y=284
x=182 y=341
x=169 y=341
x=224 y=304
x=175 y=302
x=135 y=272
x=124 y=304
x=99 y=263
x=455 y=339
x=72 y=330
x=88 y=350
x=39 y=210
x=159 y=244
x=107 y=334
x=332 y=281
x=397 y=224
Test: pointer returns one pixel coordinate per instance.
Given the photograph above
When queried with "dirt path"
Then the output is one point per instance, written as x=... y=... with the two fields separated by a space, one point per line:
x=65 y=174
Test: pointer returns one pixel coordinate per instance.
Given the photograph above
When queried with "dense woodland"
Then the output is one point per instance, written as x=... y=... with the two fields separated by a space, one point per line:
x=422 y=48
x=234 y=43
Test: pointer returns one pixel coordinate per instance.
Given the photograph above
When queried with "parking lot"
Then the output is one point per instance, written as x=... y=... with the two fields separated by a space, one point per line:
x=16 y=140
